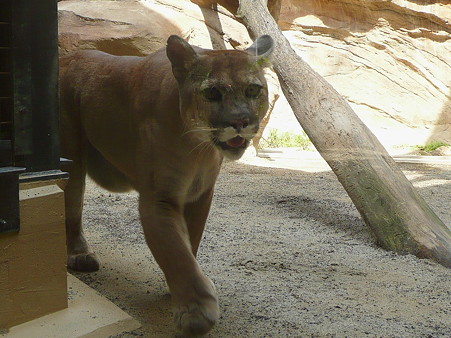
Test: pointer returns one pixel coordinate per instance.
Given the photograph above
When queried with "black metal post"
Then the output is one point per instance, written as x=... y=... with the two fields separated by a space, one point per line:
x=35 y=59
x=29 y=135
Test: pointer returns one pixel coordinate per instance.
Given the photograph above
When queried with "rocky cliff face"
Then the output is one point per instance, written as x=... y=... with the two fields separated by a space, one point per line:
x=390 y=59
x=133 y=27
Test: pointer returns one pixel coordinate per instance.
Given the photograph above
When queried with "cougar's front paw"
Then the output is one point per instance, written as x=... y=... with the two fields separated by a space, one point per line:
x=84 y=262
x=198 y=316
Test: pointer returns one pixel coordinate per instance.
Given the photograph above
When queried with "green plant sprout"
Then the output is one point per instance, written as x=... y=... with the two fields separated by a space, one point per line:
x=431 y=146
x=278 y=139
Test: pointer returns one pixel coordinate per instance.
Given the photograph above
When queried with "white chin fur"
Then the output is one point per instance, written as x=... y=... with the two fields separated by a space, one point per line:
x=233 y=155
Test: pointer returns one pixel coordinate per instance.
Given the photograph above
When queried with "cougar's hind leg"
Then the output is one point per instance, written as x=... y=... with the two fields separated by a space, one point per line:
x=80 y=257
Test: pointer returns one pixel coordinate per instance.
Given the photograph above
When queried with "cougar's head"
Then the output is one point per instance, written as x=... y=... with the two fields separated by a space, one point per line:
x=223 y=93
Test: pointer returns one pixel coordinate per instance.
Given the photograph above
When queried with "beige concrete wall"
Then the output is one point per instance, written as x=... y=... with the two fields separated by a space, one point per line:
x=33 y=278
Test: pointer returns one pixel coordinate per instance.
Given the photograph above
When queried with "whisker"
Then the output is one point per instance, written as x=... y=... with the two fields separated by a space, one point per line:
x=206 y=148
x=201 y=144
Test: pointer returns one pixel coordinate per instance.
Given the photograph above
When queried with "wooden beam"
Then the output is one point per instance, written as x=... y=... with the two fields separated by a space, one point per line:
x=399 y=217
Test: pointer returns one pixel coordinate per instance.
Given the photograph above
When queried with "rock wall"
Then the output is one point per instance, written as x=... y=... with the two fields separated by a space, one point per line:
x=132 y=27
x=390 y=59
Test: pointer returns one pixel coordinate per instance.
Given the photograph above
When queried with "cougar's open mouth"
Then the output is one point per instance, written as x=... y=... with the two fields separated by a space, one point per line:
x=234 y=143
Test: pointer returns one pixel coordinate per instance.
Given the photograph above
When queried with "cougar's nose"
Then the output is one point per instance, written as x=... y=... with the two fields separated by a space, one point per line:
x=239 y=123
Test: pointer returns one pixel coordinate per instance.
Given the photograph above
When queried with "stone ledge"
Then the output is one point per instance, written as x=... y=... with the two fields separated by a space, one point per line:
x=88 y=315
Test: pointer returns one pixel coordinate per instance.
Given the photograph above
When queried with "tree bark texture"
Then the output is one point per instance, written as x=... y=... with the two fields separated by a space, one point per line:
x=388 y=203
x=232 y=5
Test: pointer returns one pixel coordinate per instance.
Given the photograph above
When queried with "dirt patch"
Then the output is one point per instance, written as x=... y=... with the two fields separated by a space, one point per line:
x=289 y=256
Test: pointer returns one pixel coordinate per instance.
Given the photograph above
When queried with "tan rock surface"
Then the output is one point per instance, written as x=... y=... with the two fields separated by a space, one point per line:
x=390 y=59
x=141 y=27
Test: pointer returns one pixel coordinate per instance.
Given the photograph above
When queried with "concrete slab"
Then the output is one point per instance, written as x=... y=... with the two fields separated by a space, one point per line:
x=88 y=315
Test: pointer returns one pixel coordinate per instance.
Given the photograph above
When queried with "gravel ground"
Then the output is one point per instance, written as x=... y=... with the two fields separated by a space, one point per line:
x=289 y=255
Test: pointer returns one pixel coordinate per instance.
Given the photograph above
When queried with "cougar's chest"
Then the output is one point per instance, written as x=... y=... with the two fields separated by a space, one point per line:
x=203 y=181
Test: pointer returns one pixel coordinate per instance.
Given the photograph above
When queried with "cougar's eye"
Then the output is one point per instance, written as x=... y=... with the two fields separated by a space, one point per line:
x=212 y=94
x=253 y=91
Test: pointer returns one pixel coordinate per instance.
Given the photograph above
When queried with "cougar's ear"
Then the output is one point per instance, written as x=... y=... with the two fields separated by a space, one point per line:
x=262 y=47
x=181 y=55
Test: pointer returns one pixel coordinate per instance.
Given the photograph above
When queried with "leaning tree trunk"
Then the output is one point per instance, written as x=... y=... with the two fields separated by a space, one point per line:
x=399 y=217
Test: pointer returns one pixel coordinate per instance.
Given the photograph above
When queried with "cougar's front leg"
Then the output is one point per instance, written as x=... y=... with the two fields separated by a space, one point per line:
x=193 y=294
x=196 y=214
